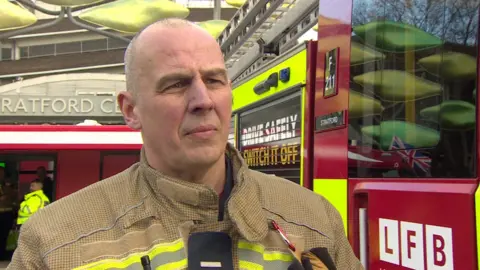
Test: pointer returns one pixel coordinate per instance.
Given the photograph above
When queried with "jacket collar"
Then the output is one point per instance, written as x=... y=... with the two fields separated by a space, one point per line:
x=36 y=192
x=243 y=207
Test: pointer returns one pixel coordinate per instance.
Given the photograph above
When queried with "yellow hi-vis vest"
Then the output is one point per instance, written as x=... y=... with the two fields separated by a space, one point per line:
x=32 y=203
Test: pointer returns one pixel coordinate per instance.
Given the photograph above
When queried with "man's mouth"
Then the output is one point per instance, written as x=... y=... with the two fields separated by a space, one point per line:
x=204 y=129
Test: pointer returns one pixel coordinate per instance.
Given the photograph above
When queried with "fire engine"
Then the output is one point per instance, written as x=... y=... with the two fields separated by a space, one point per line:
x=378 y=115
x=74 y=156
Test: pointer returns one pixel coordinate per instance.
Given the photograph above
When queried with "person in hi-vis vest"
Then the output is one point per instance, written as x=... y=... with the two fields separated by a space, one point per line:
x=34 y=201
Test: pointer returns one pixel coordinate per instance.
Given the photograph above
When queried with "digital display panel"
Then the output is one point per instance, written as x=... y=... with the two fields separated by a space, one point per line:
x=231 y=134
x=270 y=137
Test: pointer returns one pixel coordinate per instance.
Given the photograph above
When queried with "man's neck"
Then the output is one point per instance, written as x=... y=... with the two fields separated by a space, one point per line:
x=214 y=176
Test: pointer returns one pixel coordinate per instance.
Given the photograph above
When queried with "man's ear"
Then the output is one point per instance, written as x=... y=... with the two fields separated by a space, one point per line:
x=127 y=105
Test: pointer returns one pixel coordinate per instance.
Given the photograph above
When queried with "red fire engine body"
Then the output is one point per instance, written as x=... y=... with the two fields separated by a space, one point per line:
x=378 y=115
x=75 y=156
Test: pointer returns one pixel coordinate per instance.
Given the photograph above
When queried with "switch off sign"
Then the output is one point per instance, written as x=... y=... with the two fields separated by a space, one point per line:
x=404 y=243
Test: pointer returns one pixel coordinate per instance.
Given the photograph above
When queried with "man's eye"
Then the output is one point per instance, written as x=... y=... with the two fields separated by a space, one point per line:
x=176 y=85
x=213 y=81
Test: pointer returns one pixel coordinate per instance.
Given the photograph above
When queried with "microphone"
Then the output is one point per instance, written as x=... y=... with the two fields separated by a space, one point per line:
x=210 y=250
x=322 y=254
x=146 y=262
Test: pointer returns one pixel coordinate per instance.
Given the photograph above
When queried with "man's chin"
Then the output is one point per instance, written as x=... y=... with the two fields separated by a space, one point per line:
x=205 y=155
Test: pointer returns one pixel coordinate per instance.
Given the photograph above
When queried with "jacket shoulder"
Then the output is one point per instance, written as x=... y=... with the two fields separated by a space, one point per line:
x=295 y=203
x=310 y=214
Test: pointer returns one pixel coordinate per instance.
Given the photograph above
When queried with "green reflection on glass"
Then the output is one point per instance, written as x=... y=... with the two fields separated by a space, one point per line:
x=361 y=105
x=390 y=85
x=361 y=54
x=412 y=134
x=451 y=65
x=451 y=115
x=395 y=36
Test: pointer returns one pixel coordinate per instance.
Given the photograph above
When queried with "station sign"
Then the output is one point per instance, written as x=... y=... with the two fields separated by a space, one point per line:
x=49 y=106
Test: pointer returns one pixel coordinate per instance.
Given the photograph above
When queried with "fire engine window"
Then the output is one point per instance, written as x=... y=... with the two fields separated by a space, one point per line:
x=231 y=134
x=412 y=88
x=269 y=137
x=113 y=162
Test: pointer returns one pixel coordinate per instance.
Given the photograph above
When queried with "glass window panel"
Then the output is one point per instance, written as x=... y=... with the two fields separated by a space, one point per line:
x=5 y=54
x=413 y=77
x=94 y=45
x=41 y=50
x=24 y=52
x=116 y=44
x=70 y=47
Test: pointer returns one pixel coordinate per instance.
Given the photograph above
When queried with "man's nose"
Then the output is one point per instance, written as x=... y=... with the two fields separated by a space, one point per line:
x=198 y=96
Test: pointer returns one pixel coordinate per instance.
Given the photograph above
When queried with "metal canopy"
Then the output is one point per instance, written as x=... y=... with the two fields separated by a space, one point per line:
x=66 y=12
x=60 y=16
x=258 y=32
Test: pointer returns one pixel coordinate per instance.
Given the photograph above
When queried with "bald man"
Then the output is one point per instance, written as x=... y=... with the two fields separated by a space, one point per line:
x=191 y=202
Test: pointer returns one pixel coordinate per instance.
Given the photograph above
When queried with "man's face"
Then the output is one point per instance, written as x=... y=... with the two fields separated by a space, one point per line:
x=35 y=186
x=184 y=100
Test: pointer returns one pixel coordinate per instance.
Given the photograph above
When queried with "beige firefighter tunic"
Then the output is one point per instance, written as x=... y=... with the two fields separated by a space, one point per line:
x=113 y=223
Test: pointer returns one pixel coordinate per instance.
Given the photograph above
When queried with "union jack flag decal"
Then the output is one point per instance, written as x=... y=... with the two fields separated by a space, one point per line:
x=414 y=158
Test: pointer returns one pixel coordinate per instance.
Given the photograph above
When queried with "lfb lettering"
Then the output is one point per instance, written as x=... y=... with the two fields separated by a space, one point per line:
x=408 y=250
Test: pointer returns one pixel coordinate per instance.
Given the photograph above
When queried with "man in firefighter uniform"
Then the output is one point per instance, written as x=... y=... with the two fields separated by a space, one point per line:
x=191 y=202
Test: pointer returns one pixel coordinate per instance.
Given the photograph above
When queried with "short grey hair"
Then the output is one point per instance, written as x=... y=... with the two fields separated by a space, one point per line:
x=131 y=68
